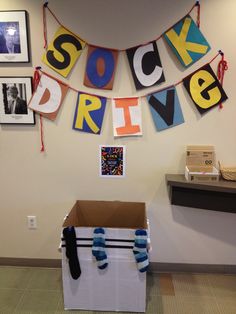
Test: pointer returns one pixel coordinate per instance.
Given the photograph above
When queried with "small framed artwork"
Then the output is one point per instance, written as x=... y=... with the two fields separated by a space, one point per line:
x=112 y=161
x=13 y=36
x=15 y=94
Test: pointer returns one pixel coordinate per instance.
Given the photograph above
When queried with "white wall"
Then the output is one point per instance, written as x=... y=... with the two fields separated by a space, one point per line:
x=47 y=184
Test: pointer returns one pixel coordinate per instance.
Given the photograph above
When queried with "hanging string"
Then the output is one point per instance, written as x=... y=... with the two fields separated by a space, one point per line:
x=36 y=81
x=198 y=13
x=145 y=95
x=63 y=25
x=193 y=7
x=222 y=67
x=41 y=134
x=54 y=16
x=197 y=70
x=196 y=4
x=214 y=57
x=179 y=82
x=45 y=25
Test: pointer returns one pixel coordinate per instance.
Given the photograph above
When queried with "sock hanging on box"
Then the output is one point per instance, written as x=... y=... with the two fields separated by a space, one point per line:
x=71 y=251
x=98 y=248
x=140 y=250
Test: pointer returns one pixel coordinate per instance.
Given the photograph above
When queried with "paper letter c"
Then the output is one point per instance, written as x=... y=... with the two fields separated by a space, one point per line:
x=145 y=79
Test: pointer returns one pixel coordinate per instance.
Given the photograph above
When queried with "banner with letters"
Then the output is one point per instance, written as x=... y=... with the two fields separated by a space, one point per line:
x=188 y=44
x=185 y=39
x=202 y=85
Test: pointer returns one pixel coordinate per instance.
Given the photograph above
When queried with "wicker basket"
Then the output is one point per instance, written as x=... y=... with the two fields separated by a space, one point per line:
x=228 y=173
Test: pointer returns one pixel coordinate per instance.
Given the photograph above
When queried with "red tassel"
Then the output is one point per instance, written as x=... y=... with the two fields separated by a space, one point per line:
x=198 y=13
x=45 y=25
x=222 y=67
x=41 y=134
x=36 y=78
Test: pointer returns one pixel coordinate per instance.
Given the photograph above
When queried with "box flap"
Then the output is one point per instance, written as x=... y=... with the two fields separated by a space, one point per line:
x=200 y=156
x=193 y=170
x=110 y=214
x=196 y=168
x=202 y=176
x=205 y=148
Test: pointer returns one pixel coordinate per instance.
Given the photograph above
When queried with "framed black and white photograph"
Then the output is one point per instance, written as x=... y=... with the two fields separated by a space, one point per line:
x=13 y=36
x=15 y=94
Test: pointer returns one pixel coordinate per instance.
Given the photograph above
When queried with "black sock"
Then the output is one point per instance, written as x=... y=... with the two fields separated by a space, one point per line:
x=71 y=251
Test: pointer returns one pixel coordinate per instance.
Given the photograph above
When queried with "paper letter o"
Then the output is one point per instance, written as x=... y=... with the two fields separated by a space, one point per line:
x=93 y=74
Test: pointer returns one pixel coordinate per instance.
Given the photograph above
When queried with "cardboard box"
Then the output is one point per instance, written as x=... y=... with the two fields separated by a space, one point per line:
x=120 y=287
x=197 y=176
x=200 y=158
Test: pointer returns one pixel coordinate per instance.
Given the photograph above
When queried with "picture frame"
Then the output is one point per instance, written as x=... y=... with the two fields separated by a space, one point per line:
x=15 y=94
x=112 y=161
x=14 y=45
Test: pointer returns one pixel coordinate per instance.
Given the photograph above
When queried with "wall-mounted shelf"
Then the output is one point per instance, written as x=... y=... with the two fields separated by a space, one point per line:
x=219 y=196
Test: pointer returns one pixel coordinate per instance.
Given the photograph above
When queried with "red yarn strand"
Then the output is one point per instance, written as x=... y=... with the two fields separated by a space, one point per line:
x=110 y=48
x=64 y=25
x=41 y=134
x=198 y=13
x=36 y=81
x=222 y=67
x=45 y=28
x=159 y=90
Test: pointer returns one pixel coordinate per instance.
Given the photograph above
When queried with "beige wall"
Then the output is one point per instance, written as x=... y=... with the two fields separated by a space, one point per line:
x=47 y=185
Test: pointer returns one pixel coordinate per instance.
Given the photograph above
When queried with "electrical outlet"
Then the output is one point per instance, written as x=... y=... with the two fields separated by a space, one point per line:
x=32 y=223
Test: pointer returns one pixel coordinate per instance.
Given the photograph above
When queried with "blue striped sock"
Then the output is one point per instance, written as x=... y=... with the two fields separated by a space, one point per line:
x=140 y=250
x=98 y=248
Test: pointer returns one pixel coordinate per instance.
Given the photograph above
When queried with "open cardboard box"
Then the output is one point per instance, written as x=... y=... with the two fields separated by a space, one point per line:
x=109 y=214
x=200 y=164
x=201 y=176
x=120 y=287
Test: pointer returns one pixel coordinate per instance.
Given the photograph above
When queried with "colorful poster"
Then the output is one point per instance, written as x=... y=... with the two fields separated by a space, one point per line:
x=63 y=51
x=100 y=68
x=204 y=89
x=48 y=97
x=165 y=109
x=187 y=41
x=145 y=65
x=89 y=113
x=112 y=161
x=127 y=117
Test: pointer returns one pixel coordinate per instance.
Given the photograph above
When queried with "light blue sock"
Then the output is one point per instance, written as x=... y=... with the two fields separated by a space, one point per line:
x=98 y=248
x=140 y=250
